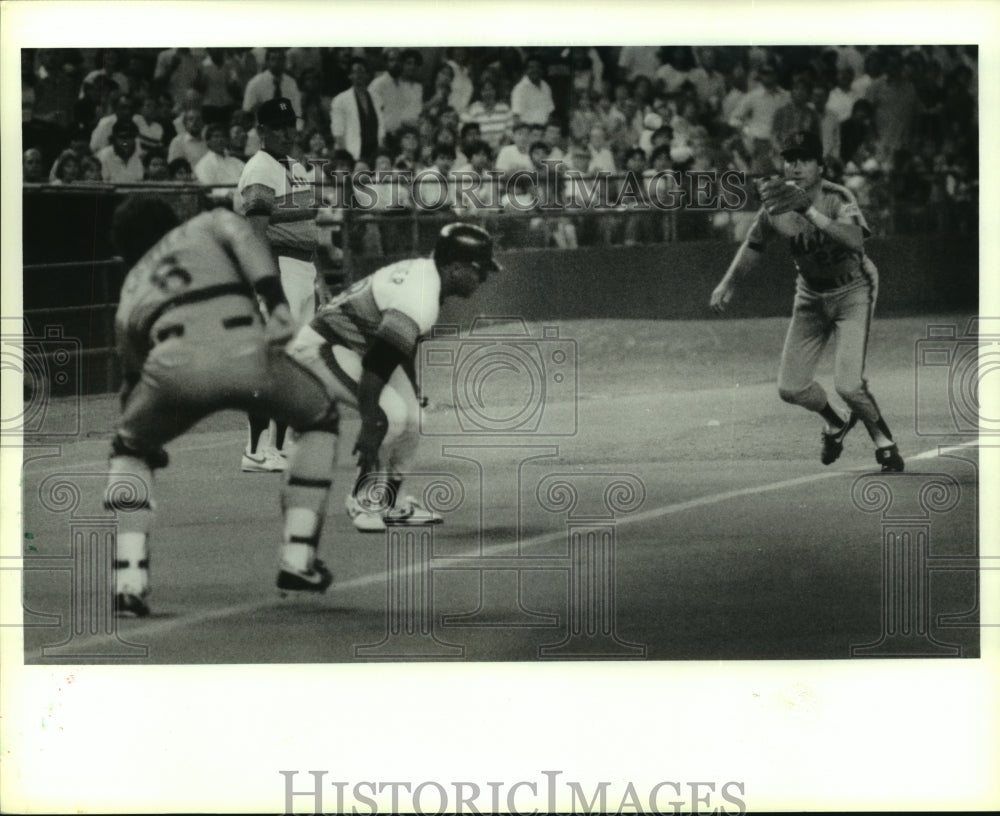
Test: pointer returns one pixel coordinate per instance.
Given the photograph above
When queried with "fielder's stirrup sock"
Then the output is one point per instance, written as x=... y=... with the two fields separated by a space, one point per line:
x=834 y=419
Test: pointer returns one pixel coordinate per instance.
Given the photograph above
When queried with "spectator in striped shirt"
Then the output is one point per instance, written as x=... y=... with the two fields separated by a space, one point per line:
x=493 y=115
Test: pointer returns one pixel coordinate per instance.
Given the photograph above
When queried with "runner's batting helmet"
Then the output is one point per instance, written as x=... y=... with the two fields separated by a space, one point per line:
x=466 y=243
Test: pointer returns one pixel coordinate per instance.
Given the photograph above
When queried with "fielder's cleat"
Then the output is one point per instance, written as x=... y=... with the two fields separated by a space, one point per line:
x=833 y=443
x=889 y=459
x=264 y=461
x=129 y=605
x=366 y=520
x=315 y=579
x=409 y=511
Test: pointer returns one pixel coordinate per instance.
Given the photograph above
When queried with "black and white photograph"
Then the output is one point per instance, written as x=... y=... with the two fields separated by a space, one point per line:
x=583 y=412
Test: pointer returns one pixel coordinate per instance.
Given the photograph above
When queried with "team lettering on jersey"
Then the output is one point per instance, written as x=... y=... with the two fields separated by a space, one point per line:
x=404 y=296
x=819 y=259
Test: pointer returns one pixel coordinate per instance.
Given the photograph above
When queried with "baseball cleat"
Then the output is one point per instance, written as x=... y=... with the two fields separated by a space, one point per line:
x=264 y=461
x=833 y=443
x=409 y=511
x=889 y=459
x=316 y=579
x=366 y=520
x=129 y=605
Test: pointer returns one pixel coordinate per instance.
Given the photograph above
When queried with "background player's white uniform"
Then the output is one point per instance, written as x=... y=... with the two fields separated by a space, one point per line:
x=294 y=243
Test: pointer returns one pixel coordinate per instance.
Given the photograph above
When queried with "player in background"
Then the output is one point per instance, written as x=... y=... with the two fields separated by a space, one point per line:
x=835 y=295
x=362 y=345
x=192 y=341
x=278 y=197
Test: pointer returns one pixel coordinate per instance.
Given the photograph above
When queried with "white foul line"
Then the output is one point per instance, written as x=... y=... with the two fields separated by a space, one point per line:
x=159 y=627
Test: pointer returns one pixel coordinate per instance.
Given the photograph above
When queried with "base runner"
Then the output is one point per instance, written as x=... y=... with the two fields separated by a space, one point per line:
x=835 y=295
x=362 y=345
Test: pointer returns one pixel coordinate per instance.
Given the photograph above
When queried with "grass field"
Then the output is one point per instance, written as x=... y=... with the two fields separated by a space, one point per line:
x=733 y=542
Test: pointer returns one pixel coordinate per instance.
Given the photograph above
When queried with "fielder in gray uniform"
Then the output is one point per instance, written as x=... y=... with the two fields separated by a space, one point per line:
x=834 y=298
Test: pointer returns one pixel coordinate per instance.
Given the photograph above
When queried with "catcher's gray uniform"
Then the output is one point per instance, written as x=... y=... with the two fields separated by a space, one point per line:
x=835 y=298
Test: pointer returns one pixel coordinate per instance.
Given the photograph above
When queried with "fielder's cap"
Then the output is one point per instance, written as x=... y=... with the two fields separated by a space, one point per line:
x=804 y=144
x=276 y=113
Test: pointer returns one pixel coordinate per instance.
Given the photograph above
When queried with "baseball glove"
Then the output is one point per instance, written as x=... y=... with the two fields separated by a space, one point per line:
x=783 y=195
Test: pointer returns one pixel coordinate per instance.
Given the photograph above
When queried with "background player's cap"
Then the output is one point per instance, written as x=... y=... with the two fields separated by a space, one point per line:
x=802 y=145
x=276 y=113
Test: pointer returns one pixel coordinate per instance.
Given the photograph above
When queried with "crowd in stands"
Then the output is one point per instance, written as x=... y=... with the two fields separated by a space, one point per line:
x=899 y=125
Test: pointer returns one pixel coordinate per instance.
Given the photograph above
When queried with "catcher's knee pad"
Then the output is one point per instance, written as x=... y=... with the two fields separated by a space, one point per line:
x=154 y=457
x=310 y=475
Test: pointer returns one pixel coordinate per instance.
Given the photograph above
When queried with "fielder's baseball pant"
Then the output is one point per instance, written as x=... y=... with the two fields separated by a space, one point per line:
x=844 y=316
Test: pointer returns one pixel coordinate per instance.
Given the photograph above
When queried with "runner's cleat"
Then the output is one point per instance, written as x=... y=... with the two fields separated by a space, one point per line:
x=316 y=579
x=409 y=511
x=365 y=519
x=833 y=443
x=889 y=459
x=128 y=605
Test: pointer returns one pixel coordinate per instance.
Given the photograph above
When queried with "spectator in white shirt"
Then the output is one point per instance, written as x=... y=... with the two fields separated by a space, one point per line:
x=189 y=144
x=531 y=99
x=217 y=167
x=120 y=162
x=273 y=83
x=516 y=156
x=842 y=98
x=461 y=83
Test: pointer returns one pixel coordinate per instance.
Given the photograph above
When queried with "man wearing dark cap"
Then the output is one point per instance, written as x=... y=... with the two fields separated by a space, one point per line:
x=120 y=163
x=279 y=196
x=834 y=299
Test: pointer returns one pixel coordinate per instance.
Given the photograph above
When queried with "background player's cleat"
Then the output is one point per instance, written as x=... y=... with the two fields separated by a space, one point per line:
x=264 y=461
x=129 y=605
x=277 y=460
x=408 y=510
x=889 y=459
x=315 y=579
x=365 y=519
x=833 y=443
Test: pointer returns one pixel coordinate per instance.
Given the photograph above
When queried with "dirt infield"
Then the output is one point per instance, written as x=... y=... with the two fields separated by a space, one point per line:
x=701 y=525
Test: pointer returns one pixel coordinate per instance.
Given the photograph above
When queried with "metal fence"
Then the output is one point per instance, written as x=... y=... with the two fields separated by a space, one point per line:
x=72 y=278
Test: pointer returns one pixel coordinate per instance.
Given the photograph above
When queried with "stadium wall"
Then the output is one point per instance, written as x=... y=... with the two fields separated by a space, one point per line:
x=674 y=281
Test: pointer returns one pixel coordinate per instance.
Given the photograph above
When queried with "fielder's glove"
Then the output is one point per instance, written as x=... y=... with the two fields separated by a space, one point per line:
x=373 y=431
x=783 y=195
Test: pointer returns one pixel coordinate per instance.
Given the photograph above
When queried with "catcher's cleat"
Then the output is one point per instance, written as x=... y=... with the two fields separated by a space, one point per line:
x=889 y=459
x=316 y=579
x=129 y=605
x=833 y=443
x=409 y=511
x=366 y=520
